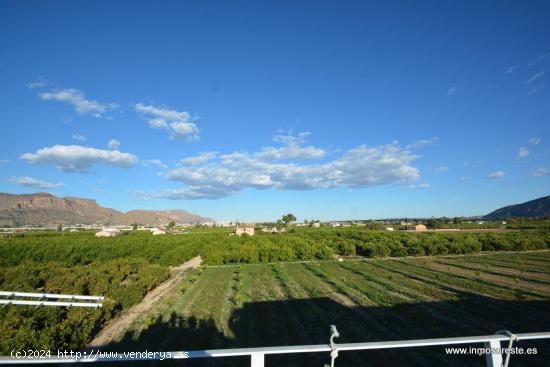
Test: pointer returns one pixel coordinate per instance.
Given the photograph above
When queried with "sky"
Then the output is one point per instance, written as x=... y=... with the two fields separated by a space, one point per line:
x=247 y=110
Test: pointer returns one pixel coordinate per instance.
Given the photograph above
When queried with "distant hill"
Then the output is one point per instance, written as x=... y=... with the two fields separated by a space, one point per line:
x=534 y=208
x=48 y=210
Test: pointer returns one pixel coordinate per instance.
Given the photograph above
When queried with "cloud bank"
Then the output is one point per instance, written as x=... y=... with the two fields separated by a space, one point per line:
x=291 y=166
x=76 y=158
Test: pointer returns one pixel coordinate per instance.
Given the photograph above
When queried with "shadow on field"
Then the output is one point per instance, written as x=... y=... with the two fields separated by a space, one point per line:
x=307 y=321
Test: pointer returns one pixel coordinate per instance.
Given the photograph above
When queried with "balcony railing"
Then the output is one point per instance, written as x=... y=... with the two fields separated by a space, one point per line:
x=49 y=299
x=257 y=355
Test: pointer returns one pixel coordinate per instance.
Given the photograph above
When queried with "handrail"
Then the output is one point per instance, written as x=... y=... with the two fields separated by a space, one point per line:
x=51 y=295
x=49 y=299
x=257 y=354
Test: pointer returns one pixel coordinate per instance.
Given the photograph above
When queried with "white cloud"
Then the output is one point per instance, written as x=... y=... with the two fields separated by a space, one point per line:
x=190 y=193
x=510 y=69
x=75 y=158
x=38 y=83
x=198 y=159
x=542 y=172
x=292 y=149
x=217 y=176
x=33 y=182
x=496 y=175
x=453 y=91
x=536 y=89
x=523 y=152
x=78 y=100
x=535 y=140
x=79 y=137
x=464 y=178
x=534 y=77
x=539 y=59
x=113 y=144
x=179 y=124
x=424 y=142
x=441 y=168
x=424 y=186
x=4 y=161
x=154 y=162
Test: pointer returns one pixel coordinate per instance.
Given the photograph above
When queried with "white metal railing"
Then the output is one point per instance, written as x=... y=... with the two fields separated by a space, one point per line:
x=49 y=299
x=257 y=354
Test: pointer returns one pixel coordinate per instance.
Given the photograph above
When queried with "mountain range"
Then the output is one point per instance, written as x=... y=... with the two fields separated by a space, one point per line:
x=48 y=210
x=534 y=208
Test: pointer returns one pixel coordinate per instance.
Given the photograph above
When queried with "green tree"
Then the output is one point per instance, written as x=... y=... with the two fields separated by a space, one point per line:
x=288 y=218
x=171 y=225
x=134 y=226
x=59 y=228
x=434 y=223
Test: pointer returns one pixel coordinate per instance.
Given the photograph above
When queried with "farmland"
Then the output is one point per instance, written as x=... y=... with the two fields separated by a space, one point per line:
x=383 y=299
x=248 y=295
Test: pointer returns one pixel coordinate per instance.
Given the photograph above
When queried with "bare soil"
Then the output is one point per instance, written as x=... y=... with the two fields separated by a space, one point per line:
x=116 y=328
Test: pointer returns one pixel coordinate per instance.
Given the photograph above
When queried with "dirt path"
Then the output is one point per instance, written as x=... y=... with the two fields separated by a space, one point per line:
x=115 y=329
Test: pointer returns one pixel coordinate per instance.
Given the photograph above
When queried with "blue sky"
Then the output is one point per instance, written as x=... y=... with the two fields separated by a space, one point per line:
x=250 y=109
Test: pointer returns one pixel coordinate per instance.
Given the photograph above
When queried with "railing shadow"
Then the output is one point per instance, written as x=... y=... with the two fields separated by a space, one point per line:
x=307 y=321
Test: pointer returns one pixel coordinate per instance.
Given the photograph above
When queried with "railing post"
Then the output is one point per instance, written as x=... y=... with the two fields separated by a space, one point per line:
x=493 y=359
x=257 y=360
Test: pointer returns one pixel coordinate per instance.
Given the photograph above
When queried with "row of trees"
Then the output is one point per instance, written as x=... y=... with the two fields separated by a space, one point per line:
x=324 y=243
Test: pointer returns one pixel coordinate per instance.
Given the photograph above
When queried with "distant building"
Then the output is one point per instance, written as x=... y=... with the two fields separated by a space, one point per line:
x=108 y=232
x=316 y=225
x=419 y=228
x=157 y=231
x=389 y=228
x=243 y=229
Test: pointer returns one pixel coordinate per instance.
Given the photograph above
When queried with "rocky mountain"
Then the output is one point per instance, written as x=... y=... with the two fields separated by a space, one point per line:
x=535 y=208
x=48 y=210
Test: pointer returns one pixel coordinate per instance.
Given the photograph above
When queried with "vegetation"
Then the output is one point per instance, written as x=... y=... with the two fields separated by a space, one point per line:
x=324 y=243
x=296 y=244
x=288 y=218
x=124 y=268
x=378 y=299
x=123 y=282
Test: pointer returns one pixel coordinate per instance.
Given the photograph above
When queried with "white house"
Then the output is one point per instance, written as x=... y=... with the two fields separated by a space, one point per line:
x=108 y=232
x=244 y=229
x=419 y=228
x=157 y=231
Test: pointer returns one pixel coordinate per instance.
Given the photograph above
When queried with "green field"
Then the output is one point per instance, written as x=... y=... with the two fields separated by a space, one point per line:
x=385 y=299
x=256 y=298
